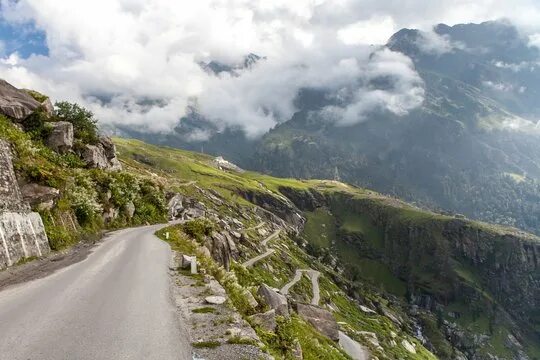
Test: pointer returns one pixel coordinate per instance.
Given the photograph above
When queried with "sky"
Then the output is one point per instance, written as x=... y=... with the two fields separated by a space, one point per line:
x=137 y=62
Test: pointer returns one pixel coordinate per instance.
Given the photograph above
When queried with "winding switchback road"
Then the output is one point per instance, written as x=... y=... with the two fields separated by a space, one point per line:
x=116 y=304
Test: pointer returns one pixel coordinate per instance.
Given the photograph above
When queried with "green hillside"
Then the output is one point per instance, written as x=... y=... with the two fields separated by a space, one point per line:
x=381 y=246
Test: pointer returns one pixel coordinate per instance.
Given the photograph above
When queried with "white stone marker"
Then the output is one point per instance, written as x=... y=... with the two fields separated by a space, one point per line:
x=193 y=264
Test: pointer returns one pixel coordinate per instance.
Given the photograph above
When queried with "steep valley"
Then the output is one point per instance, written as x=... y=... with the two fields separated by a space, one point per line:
x=314 y=269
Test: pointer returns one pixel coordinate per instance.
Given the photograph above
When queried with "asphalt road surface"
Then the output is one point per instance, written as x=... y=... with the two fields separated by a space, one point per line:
x=116 y=304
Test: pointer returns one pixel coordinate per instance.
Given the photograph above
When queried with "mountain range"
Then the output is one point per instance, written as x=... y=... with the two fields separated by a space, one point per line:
x=472 y=146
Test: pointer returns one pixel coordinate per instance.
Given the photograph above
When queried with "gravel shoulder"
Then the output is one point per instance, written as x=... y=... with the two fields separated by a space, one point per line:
x=216 y=331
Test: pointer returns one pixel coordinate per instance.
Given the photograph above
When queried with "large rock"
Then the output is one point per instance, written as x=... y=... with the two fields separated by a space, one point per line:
x=321 y=319
x=110 y=214
x=215 y=300
x=176 y=207
x=15 y=103
x=102 y=155
x=129 y=209
x=253 y=303
x=39 y=196
x=221 y=247
x=48 y=107
x=267 y=320
x=61 y=137
x=274 y=300
x=109 y=149
x=94 y=157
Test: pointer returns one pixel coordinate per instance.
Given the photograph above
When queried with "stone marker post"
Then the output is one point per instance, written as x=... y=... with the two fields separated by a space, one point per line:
x=193 y=264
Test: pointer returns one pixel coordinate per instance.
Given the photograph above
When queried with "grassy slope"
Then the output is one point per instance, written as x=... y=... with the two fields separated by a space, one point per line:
x=178 y=168
x=324 y=227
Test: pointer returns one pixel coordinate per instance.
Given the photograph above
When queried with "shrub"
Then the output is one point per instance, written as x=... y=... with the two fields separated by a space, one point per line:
x=36 y=125
x=198 y=229
x=84 y=123
x=83 y=197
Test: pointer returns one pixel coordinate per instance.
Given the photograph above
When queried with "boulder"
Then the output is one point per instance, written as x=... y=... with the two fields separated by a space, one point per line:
x=109 y=149
x=250 y=298
x=110 y=214
x=15 y=103
x=129 y=209
x=408 y=346
x=176 y=207
x=274 y=300
x=321 y=319
x=61 y=136
x=39 y=196
x=267 y=320
x=194 y=213
x=101 y=156
x=215 y=300
x=115 y=165
x=94 y=156
x=222 y=248
x=48 y=107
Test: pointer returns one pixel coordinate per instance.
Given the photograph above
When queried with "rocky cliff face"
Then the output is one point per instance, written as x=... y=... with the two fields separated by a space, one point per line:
x=493 y=272
x=22 y=234
x=505 y=262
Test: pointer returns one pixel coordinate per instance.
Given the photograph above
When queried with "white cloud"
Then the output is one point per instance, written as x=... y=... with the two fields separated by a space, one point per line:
x=135 y=62
x=401 y=90
x=376 y=30
x=432 y=43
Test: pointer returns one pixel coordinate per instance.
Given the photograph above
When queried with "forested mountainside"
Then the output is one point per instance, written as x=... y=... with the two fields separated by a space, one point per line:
x=471 y=148
x=397 y=281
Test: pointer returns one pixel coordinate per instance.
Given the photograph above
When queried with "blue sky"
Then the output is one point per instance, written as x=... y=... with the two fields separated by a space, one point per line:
x=24 y=39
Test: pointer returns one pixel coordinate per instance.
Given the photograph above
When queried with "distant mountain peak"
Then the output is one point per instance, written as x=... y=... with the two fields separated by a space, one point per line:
x=216 y=67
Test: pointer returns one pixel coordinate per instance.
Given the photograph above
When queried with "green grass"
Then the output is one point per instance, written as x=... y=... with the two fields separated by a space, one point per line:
x=373 y=271
x=204 y=310
x=358 y=212
x=320 y=228
x=353 y=222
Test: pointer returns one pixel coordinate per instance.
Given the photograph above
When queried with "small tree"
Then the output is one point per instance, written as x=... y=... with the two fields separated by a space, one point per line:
x=84 y=123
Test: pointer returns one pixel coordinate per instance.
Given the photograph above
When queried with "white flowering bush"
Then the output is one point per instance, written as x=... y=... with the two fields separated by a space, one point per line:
x=84 y=199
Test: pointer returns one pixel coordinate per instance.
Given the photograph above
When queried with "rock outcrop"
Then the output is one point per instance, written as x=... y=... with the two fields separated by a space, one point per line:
x=176 y=206
x=266 y=321
x=39 y=197
x=102 y=155
x=94 y=157
x=321 y=319
x=222 y=248
x=61 y=136
x=22 y=233
x=14 y=103
x=48 y=107
x=274 y=300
